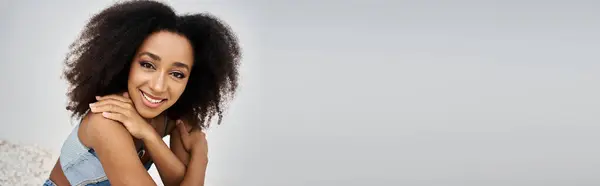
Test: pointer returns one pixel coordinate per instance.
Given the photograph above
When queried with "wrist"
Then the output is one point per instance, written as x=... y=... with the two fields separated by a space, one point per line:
x=150 y=135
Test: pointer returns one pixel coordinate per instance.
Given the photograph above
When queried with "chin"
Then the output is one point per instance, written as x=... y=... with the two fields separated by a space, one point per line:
x=148 y=114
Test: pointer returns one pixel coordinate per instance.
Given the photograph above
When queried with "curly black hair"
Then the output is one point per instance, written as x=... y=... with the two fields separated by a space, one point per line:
x=99 y=60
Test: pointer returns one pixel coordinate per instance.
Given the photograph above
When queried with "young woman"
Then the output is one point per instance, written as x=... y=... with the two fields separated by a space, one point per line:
x=137 y=73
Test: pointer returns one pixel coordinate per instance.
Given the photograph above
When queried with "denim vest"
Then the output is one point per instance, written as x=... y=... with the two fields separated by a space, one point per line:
x=81 y=165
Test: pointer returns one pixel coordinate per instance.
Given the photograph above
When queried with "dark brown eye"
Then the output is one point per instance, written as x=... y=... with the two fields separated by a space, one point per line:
x=178 y=75
x=146 y=65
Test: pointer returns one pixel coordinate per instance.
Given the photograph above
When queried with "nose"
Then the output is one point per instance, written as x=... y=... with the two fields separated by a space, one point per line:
x=157 y=83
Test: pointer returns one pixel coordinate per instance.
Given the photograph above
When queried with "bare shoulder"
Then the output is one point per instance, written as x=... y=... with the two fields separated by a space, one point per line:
x=115 y=149
x=95 y=129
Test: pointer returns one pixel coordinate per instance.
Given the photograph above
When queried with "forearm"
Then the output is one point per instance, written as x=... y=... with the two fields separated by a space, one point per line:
x=196 y=170
x=170 y=168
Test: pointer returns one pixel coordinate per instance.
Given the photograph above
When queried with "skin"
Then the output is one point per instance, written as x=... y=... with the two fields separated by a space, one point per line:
x=160 y=69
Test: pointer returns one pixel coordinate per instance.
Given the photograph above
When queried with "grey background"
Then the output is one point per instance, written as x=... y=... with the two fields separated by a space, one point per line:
x=362 y=92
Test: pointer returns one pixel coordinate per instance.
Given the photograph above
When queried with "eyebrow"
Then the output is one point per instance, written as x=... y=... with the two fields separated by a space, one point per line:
x=181 y=65
x=151 y=55
x=157 y=58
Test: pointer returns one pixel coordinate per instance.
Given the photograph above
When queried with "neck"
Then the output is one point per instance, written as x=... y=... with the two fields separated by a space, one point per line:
x=150 y=120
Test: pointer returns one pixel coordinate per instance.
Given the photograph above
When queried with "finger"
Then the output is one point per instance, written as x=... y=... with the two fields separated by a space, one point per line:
x=114 y=96
x=111 y=102
x=183 y=133
x=182 y=128
x=109 y=107
x=115 y=116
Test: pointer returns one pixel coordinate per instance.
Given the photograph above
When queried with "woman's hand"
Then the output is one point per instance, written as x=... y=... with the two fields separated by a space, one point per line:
x=120 y=108
x=194 y=141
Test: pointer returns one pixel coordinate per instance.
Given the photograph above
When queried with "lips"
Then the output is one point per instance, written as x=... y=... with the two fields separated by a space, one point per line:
x=151 y=101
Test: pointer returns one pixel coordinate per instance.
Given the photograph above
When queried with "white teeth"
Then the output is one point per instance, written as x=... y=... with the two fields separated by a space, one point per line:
x=150 y=99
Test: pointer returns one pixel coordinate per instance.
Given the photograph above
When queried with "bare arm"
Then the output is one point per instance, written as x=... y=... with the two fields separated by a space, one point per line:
x=193 y=142
x=172 y=165
x=196 y=171
x=177 y=148
x=116 y=151
x=169 y=165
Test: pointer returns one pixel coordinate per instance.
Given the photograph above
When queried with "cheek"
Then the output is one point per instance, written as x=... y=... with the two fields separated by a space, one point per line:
x=138 y=77
x=133 y=75
x=177 y=90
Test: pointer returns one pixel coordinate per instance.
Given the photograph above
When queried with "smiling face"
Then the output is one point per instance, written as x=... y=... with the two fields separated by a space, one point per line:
x=159 y=72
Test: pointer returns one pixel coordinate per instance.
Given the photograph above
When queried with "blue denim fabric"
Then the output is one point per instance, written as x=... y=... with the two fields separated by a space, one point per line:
x=81 y=165
x=49 y=183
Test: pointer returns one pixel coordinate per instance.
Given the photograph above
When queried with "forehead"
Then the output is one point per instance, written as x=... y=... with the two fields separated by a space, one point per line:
x=170 y=47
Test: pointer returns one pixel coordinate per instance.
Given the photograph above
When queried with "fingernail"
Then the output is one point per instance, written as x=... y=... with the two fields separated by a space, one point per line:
x=97 y=97
x=104 y=114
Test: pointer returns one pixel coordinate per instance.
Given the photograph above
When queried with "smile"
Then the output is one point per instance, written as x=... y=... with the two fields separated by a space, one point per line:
x=152 y=101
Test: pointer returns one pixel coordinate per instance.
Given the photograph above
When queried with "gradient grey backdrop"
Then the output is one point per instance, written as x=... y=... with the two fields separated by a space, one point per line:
x=363 y=93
